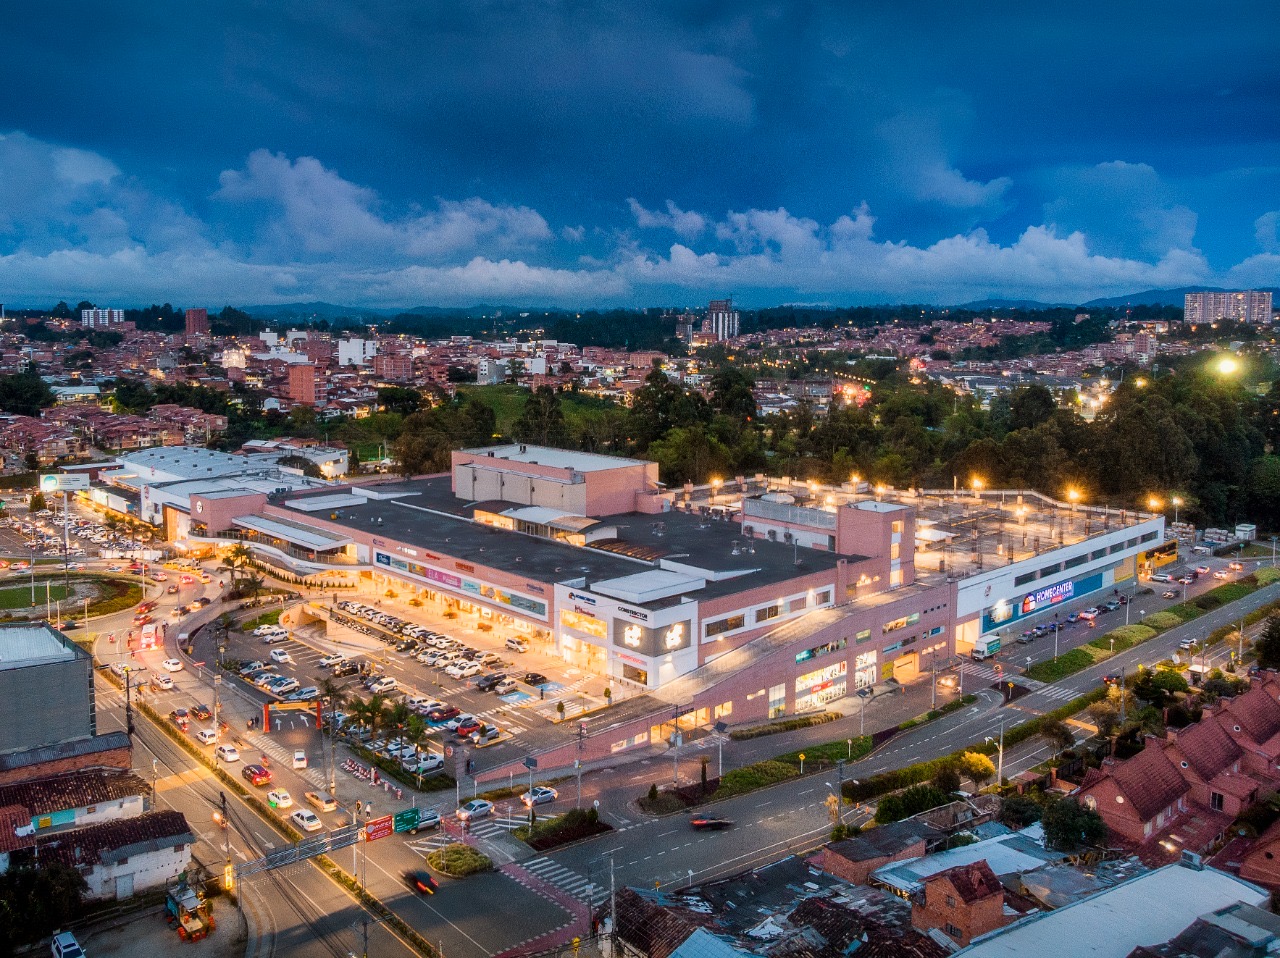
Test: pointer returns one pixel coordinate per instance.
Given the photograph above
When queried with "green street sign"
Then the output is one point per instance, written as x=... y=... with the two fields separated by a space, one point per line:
x=406 y=820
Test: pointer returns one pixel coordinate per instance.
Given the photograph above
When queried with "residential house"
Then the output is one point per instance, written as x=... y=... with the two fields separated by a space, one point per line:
x=964 y=902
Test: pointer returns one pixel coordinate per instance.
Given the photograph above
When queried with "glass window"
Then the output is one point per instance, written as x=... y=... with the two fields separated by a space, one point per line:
x=777 y=700
x=767 y=612
x=720 y=626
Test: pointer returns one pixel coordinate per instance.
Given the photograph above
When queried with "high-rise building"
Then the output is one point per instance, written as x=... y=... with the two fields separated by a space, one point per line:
x=1243 y=306
x=302 y=383
x=197 y=322
x=722 y=320
x=101 y=318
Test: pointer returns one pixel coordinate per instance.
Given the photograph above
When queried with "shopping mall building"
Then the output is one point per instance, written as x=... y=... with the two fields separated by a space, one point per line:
x=740 y=600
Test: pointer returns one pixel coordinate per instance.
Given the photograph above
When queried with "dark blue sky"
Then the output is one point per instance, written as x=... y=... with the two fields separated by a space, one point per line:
x=579 y=153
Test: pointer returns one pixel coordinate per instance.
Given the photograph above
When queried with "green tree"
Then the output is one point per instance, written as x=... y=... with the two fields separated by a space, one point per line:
x=1068 y=825
x=303 y=464
x=1267 y=648
x=400 y=400
x=37 y=503
x=731 y=394
x=1031 y=406
x=946 y=779
x=24 y=394
x=908 y=802
x=1018 y=811
x=542 y=420
x=1058 y=734
x=37 y=899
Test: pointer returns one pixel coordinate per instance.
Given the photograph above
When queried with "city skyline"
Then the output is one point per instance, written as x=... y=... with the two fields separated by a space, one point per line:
x=395 y=156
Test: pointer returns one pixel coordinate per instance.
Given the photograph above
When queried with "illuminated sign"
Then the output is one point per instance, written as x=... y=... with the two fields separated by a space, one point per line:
x=55 y=482
x=584 y=599
x=632 y=635
x=634 y=613
x=674 y=636
x=1049 y=596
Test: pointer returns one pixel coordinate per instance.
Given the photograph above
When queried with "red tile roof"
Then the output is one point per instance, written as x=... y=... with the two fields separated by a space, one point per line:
x=1208 y=748
x=972 y=882
x=78 y=790
x=1256 y=712
x=1150 y=781
x=99 y=843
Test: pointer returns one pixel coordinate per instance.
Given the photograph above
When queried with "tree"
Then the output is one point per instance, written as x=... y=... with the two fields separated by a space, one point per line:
x=1030 y=406
x=1068 y=825
x=978 y=767
x=302 y=464
x=400 y=400
x=37 y=503
x=1058 y=734
x=1105 y=716
x=24 y=394
x=908 y=802
x=35 y=899
x=542 y=420
x=1267 y=648
x=1018 y=811
x=947 y=778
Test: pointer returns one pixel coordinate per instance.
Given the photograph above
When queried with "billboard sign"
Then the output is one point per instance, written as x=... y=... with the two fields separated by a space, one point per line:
x=379 y=828
x=58 y=482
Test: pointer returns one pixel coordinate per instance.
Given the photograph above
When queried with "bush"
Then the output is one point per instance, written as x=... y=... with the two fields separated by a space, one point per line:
x=458 y=860
x=552 y=832
x=828 y=753
x=752 y=777
x=1067 y=664
x=662 y=804
x=1162 y=621
x=910 y=801
x=786 y=725
x=1126 y=637
x=1019 y=812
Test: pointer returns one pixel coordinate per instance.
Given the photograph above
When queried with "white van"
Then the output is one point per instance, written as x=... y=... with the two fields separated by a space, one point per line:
x=517 y=645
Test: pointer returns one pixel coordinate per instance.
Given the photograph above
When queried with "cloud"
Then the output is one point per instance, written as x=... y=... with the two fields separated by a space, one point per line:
x=1267 y=230
x=1124 y=208
x=682 y=222
x=313 y=212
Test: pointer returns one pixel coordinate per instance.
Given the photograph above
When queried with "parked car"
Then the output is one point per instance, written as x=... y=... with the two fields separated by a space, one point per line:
x=424 y=762
x=1088 y=615
x=464 y=729
x=476 y=808
x=487 y=683
x=539 y=795
x=462 y=670
x=463 y=719
x=332 y=659
x=305 y=694
x=505 y=687
x=383 y=685
x=535 y=679
x=443 y=715
x=282 y=656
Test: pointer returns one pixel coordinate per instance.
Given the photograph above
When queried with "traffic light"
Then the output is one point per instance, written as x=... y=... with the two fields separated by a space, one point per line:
x=229 y=876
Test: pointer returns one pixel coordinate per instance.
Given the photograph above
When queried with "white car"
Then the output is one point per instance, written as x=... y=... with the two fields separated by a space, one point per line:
x=282 y=656
x=285 y=687
x=228 y=753
x=162 y=683
x=171 y=665
x=466 y=718
x=305 y=694
x=462 y=670
x=265 y=629
x=332 y=658
x=307 y=820
x=476 y=808
x=206 y=736
x=279 y=798
x=272 y=637
x=384 y=685
x=422 y=763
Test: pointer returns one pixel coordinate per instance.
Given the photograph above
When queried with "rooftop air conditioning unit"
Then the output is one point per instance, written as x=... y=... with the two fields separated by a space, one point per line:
x=787 y=537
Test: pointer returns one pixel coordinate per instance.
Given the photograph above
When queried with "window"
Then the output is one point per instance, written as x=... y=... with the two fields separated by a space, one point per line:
x=823 y=597
x=896 y=527
x=835 y=645
x=1024 y=578
x=1215 y=801
x=767 y=612
x=951 y=901
x=1076 y=560
x=1050 y=570
x=895 y=550
x=954 y=932
x=901 y=623
x=777 y=700
x=725 y=625
x=798 y=605
x=720 y=711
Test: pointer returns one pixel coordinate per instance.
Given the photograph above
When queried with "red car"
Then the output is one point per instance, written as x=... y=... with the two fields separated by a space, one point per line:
x=444 y=714
x=466 y=728
x=256 y=774
x=421 y=882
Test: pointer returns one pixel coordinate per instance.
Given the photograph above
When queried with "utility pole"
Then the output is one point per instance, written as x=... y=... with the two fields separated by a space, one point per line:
x=128 y=703
x=1122 y=709
x=226 y=843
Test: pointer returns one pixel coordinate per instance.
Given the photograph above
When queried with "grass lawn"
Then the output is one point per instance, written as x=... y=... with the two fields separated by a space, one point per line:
x=19 y=596
x=508 y=402
x=267 y=618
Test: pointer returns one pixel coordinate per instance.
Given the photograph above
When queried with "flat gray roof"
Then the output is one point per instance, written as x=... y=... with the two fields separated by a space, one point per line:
x=23 y=645
x=556 y=458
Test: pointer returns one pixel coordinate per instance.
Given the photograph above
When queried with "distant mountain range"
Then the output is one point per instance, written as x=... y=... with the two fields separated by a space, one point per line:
x=980 y=305
x=1164 y=297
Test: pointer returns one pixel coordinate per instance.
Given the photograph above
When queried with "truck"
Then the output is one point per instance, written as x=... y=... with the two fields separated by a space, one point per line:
x=985 y=647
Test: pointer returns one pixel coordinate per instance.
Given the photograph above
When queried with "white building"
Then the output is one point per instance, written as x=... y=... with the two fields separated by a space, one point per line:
x=356 y=352
x=101 y=318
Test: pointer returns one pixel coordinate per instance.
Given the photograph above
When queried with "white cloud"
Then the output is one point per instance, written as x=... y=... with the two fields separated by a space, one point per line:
x=1267 y=229
x=684 y=223
x=314 y=212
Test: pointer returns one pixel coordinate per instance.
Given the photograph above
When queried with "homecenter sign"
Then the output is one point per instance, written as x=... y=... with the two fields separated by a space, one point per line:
x=1050 y=596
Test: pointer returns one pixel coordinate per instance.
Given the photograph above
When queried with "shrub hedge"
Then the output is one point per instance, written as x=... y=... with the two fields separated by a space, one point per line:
x=458 y=860
x=751 y=777
x=787 y=725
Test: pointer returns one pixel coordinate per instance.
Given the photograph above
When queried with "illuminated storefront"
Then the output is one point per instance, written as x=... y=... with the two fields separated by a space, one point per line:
x=815 y=689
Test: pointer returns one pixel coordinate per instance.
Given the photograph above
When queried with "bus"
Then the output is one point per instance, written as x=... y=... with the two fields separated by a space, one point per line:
x=151 y=636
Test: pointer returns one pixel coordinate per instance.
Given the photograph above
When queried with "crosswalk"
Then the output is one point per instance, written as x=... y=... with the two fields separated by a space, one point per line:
x=1056 y=692
x=567 y=880
x=980 y=671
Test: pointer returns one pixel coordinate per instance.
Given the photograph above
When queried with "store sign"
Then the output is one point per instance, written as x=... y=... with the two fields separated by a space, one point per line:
x=632 y=635
x=674 y=637
x=57 y=482
x=480 y=589
x=579 y=597
x=634 y=613
x=1050 y=596
x=379 y=828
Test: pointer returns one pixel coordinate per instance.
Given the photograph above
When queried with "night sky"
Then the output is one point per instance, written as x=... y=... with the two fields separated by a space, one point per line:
x=400 y=154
